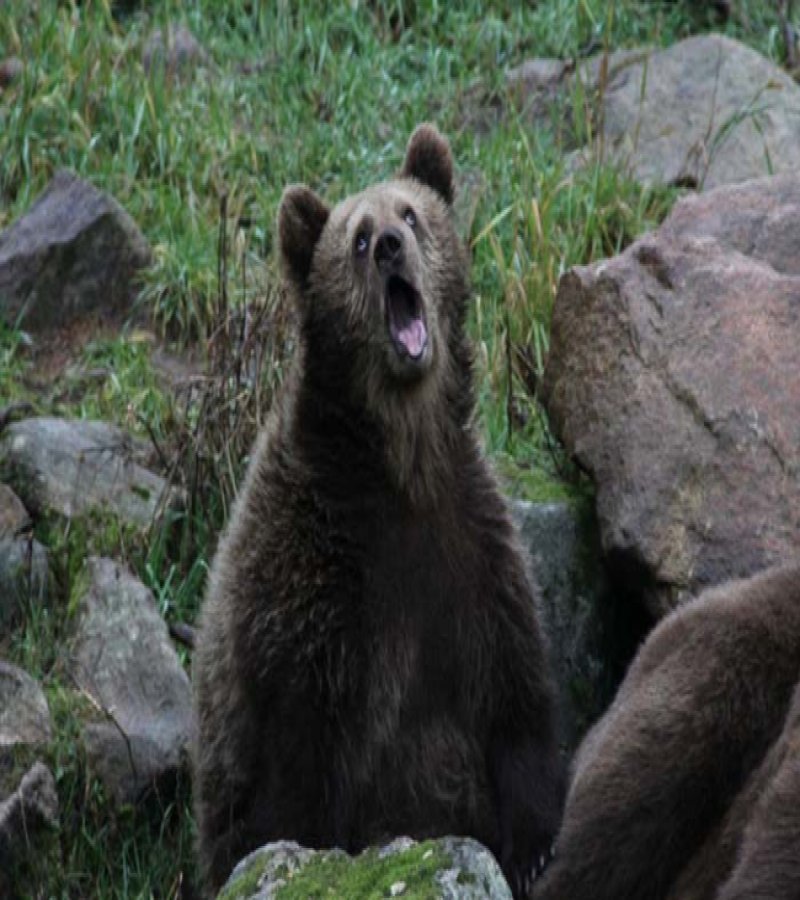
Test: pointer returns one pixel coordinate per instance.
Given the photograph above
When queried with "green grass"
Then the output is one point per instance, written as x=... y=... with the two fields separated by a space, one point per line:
x=334 y=97
x=304 y=91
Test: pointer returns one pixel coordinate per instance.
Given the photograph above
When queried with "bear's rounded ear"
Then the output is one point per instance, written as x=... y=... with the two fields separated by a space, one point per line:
x=301 y=217
x=429 y=160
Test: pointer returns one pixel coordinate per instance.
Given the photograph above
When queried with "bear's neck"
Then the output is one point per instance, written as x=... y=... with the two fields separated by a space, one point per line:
x=409 y=441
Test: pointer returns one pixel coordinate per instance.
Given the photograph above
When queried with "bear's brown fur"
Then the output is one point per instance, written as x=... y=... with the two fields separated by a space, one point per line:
x=768 y=860
x=688 y=788
x=369 y=662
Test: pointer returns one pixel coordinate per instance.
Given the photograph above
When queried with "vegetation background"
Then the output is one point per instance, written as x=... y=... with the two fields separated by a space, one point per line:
x=302 y=91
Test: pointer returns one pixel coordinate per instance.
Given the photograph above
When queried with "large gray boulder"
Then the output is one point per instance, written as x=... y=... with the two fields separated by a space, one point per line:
x=75 y=254
x=122 y=658
x=704 y=112
x=445 y=869
x=73 y=467
x=674 y=380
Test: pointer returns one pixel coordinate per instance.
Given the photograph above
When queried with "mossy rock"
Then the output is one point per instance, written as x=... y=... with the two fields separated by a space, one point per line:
x=445 y=869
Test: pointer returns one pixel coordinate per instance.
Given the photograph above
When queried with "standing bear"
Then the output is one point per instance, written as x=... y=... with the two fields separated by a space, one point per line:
x=369 y=662
x=689 y=787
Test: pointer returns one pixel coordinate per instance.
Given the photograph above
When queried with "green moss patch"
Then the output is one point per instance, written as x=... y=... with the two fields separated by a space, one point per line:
x=369 y=876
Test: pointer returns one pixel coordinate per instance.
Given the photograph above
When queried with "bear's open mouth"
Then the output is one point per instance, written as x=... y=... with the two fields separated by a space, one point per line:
x=405 y=317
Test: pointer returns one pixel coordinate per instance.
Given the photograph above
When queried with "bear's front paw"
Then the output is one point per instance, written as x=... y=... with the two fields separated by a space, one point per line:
x=530 y=790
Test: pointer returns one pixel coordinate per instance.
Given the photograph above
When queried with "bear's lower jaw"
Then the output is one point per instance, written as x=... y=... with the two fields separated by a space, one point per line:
x=406 y=369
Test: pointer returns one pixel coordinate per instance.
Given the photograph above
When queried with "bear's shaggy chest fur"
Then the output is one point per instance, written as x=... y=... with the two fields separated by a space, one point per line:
x=370 y=662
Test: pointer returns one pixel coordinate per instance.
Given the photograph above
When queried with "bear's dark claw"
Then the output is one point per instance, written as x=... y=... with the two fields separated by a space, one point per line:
x=523 y=876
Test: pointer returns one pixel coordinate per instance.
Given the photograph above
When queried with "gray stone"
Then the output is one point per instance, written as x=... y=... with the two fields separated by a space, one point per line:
x=75 y=254
x=704 y=112
x=464 y=870
x=674 y=380
x=24 y=578
x=31 y=809
x=578 y=607
x=24 y=715
x=72 y=467
x=122 y=658
x=179 y=52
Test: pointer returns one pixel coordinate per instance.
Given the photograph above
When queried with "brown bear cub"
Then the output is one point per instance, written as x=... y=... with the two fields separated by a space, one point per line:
x=689 y=787
x=370 y=662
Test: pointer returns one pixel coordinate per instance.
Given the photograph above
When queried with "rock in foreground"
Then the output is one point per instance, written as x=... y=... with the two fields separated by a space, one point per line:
x=123 y=659
x=75 y=254
x=674 y=379
x=445 y=869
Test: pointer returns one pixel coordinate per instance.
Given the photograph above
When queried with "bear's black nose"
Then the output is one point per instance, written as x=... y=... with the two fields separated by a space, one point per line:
x=388 y=248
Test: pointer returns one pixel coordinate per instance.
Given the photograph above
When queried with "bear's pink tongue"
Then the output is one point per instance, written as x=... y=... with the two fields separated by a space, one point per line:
x=413 y=337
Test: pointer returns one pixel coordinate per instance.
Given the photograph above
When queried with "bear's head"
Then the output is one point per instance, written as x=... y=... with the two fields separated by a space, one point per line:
x=380 y=279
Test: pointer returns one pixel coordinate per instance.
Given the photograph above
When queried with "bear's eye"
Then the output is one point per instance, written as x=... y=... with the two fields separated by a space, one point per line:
x=410 y=218
x=362 y=242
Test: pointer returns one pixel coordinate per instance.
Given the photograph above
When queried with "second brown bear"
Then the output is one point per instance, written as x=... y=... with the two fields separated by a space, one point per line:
x=370 y=662
x=689 y=787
